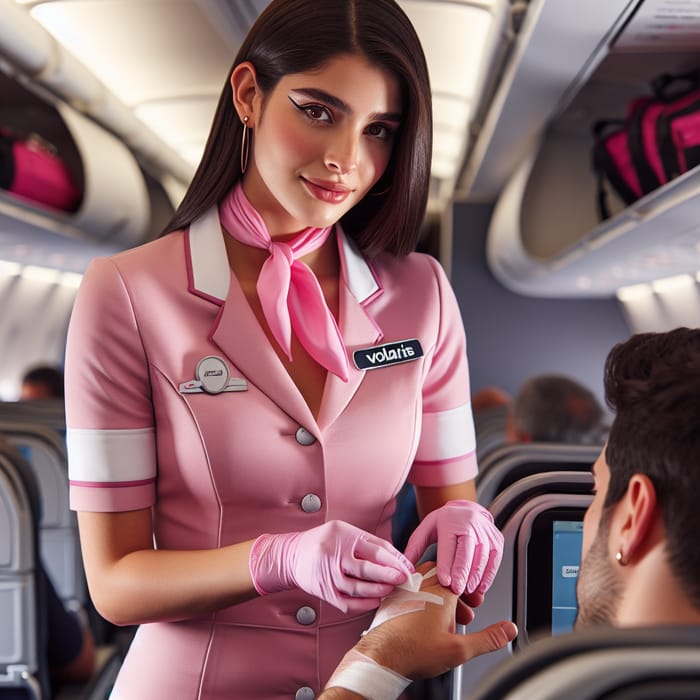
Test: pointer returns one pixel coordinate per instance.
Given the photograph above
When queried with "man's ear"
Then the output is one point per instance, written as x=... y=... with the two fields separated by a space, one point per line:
x=637 y=515
x=245 y=91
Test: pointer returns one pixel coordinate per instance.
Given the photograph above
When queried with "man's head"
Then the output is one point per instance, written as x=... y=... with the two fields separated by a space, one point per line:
x=555 y=408
x=42 y=382
x=640 y=533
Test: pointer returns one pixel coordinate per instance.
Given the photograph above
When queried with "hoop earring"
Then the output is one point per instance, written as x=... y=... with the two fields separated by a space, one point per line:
x=245 y=146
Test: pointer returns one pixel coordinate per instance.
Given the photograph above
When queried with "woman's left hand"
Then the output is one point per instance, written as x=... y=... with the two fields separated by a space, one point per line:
x=469 y=545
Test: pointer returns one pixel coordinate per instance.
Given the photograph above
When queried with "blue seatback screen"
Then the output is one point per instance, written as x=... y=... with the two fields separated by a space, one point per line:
x=566 y=557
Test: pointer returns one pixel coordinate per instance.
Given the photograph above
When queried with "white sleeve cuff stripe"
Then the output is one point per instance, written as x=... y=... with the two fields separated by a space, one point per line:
x=109 y=456
x=447 y=435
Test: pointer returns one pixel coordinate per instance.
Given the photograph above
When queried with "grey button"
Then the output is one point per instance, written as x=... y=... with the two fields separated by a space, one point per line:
x=305 y=693
x=306 y=615
x=304 y=437
x=311 y=503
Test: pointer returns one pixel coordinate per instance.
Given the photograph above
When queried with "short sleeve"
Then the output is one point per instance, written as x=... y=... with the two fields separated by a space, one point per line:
x=447 y=446
x=109 y=413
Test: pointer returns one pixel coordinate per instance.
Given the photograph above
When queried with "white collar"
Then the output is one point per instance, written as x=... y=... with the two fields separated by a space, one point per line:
x=211 y=275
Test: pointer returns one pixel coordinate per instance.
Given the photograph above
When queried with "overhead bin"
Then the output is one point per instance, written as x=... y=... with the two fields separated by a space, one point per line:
x=119 y=162
x=114 y=205
x=545 y=238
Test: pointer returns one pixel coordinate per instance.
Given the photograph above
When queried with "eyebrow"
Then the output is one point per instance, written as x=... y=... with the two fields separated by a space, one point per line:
x=337 y=103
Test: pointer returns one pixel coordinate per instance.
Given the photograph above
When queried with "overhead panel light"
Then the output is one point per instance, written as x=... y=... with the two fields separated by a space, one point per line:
x=40 y=274
x=451 y=111
x=669 y=284
x=70 y=279
x=125 y=46
x=634 y=291
x=9 y=269
x=454 y=37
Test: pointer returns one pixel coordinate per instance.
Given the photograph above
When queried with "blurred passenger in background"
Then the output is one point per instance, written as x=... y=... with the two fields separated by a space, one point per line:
x=555 y=408
x=42 y=382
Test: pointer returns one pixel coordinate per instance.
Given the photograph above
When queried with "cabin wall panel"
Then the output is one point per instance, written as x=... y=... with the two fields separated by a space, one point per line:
x=512 y=337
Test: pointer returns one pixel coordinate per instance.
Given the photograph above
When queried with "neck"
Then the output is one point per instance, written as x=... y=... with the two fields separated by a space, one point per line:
x=653 y=595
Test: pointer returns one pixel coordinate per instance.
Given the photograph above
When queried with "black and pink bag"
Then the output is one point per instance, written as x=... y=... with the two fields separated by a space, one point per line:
x=657 y=141
x=31 y=170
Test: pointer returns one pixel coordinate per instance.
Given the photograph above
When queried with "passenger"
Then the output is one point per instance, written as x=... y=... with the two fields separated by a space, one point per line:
x=70 y=643
x=490 y=397
x=249 y=391
x=42 y=382
x=555 y=408
x=640 y=562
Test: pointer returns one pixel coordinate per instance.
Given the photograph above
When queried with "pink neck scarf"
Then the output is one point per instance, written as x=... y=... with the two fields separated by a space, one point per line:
x=290 y=295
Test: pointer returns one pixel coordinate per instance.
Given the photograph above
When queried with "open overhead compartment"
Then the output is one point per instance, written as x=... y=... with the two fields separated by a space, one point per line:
x=114 y=209
x=546 y=237
x=128 y=179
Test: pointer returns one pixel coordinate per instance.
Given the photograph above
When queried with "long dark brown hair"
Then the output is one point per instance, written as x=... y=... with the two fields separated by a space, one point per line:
x=294 y=36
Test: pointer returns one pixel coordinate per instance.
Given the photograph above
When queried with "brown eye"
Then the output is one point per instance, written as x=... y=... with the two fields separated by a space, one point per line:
x=315 y=112
x=380 y=131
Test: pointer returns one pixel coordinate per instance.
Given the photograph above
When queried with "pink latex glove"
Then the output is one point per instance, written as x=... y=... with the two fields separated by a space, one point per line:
x=337 y=562
x=469 y=545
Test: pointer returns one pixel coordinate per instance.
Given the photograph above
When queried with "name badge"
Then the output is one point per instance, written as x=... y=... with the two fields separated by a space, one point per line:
x=212 y=377
x=388 y=354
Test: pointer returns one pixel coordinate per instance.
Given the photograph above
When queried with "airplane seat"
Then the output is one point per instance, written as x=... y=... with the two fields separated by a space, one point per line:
x=45 y=451
x=50 y=413
x=490 y=429
x=602 y=663
x=513 y=462
x=528 y=514
x=42 y=443
x=23 y=632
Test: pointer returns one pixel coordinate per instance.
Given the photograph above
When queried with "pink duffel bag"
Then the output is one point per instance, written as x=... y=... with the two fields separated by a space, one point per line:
x=31 y=170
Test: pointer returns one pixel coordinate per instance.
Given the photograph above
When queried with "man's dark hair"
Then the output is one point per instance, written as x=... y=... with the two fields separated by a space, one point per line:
x=652 y=381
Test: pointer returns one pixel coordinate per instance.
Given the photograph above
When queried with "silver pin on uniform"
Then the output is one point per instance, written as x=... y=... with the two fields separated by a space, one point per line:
x=212 y=376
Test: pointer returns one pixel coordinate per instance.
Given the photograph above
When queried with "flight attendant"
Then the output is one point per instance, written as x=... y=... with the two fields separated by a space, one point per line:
x=247 y=394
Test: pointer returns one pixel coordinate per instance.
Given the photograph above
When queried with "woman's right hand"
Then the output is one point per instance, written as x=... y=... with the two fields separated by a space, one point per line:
x=337 y=562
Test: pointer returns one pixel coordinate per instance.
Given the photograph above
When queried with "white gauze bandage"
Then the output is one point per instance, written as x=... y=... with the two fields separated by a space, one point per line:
x=367 y=678
x=406 y=598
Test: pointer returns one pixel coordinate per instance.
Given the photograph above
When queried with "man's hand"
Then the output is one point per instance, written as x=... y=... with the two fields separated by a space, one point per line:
x=424 y=644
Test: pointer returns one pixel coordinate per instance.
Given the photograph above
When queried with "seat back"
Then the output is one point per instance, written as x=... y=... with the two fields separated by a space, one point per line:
x=50 y=413
x=510 y=463
x=642 y=663
x=45 y=451
x=490 y=426
x=23 y=614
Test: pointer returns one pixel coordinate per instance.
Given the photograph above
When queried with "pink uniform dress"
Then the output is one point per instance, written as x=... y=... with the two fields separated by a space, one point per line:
x=145 y=430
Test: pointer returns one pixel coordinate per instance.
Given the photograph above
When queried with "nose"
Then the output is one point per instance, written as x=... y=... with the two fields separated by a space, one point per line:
x=341 y=154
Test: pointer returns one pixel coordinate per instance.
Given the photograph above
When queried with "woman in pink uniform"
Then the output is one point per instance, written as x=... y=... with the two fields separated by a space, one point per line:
x=247 y=394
